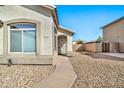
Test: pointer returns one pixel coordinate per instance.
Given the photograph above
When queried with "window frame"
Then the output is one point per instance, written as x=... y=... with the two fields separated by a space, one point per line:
x=20 y=29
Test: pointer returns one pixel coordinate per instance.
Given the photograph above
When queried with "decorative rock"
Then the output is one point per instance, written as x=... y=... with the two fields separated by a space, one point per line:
x=97 y=71
x=23 y=75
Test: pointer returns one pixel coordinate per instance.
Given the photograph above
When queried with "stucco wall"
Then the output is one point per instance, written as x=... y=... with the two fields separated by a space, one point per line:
x=113 y=47
x=78 y=47
x=98 y=47
x=16 y=12
x=1 y=41
x=115 y=33
x=91 y=47
x=69 y=41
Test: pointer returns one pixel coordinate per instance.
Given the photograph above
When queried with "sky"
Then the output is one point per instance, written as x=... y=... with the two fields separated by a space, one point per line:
x=86 y=20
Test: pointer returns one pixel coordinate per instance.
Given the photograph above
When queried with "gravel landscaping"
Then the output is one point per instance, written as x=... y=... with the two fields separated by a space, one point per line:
x=23 y=76
x=97 y=71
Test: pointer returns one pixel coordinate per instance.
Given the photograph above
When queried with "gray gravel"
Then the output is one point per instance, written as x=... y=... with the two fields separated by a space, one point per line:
x=23 y=75
x=97 y=72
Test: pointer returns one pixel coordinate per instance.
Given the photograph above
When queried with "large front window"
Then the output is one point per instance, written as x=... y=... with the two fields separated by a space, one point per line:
x=22 y=38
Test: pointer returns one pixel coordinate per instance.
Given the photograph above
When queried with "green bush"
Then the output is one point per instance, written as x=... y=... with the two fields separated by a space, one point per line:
x=79 y=42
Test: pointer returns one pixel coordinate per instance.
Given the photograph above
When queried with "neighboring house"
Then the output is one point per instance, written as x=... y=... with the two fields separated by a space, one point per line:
x=30 y=34
x=113 y=36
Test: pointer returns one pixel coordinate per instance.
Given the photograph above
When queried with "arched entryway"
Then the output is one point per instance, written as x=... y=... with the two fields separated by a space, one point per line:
x=62 y=44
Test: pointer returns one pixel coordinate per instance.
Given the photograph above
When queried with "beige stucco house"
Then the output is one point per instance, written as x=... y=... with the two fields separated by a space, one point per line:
x=113 y=35
x=31 y=34
x=113 y=38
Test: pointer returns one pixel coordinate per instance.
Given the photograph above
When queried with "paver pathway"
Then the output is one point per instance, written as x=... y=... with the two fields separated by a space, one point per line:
x=63 y=77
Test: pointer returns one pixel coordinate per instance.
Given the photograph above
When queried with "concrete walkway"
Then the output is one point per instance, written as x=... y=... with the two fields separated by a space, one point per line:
x=63 y=77
x=119 y=55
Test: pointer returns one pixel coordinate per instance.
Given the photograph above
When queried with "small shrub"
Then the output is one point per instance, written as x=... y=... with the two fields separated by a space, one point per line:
x=79 y=42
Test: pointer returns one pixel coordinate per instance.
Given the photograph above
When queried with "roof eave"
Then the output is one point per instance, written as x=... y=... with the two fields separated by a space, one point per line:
x=55 y=16
x=66 y=29
x=112 y=22
x=54 y=13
